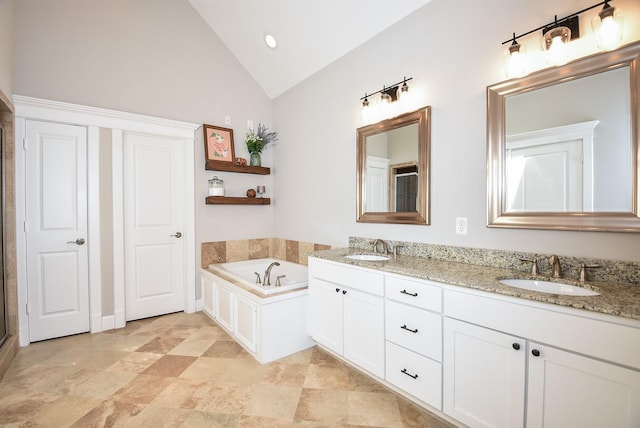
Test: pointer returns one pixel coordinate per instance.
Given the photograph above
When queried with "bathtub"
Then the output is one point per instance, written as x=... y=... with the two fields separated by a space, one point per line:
x=245 y=272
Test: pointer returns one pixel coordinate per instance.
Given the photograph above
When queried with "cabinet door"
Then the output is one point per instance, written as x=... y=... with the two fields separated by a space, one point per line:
x=326 y=314
x=484 y=376
x=364 y=330
x=208 y=294
x=245 y=322
x=569 y=390
x=224 y=307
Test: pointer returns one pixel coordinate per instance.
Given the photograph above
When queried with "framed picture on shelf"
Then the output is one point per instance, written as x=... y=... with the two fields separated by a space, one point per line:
x=218 y=144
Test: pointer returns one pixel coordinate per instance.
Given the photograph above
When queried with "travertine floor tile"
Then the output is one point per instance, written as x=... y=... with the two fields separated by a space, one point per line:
x=374 y=409
x=109 y=414
x=64 y=411
x=273 y=401
x=142 y=389
x=324 y=406
x=184 y=370
x=169 y=366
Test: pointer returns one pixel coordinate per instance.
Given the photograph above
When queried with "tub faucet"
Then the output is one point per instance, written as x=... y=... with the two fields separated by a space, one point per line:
x=384 y=246
x=555 y=264
x=267 y=273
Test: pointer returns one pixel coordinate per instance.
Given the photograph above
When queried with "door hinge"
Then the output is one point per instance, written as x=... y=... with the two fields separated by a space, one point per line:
x=24 y=226
x=24 y=144
x=26 y=306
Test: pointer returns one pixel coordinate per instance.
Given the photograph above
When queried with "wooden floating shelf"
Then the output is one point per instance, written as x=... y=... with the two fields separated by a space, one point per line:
x=232 y=167
x=232 y=200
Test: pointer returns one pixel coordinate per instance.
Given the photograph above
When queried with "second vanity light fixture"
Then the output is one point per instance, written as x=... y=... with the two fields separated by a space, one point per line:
x=389 y=95
x=607 y=26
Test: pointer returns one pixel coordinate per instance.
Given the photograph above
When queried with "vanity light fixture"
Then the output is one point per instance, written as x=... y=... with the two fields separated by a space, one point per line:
x=388 y=96
x=556 y=35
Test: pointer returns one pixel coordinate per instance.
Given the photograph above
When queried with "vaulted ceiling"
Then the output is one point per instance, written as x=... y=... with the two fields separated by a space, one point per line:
x=311 y=33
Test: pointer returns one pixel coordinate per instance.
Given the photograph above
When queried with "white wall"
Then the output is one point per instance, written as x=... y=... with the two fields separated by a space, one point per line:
x=452 y=49
x=153 y=57
x=6 y=46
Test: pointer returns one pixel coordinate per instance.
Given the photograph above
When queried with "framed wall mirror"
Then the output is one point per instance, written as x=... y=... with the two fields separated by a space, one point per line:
x=563 y=146
x=392 y=167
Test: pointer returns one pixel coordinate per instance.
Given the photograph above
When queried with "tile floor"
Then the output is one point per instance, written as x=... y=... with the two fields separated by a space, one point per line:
x=182 y=370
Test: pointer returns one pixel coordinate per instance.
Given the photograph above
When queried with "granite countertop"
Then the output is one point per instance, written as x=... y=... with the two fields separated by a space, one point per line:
x=615 y=298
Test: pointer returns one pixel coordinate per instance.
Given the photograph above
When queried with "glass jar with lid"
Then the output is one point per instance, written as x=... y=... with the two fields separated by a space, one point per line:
x=216 y=187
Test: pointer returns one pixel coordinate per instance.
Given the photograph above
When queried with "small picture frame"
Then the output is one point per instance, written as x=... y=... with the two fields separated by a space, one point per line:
x=218 y=144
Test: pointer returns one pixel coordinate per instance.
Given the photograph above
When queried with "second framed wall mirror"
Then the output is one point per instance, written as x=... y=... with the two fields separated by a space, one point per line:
x=392 y=159
x=563 y=149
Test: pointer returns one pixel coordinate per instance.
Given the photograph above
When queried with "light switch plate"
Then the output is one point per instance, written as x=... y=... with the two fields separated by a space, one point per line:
x=227 y=120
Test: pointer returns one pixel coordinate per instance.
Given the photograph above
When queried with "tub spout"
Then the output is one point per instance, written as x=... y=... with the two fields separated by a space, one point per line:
x=267 y=273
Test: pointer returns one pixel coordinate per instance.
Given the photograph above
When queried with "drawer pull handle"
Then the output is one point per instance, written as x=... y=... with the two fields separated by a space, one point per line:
x=404 y=327
x=414 y=376
x=409 y=294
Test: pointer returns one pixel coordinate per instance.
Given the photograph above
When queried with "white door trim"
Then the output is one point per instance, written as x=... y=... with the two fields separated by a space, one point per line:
x=94 y=118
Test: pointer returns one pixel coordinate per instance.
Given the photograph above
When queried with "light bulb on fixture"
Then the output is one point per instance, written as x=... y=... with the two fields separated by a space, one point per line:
x=556 y=42
x=366 y=110
x=607 y=25
x=515 y=64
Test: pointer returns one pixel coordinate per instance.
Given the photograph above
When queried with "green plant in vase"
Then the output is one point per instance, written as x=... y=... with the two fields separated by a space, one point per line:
x=256 y=141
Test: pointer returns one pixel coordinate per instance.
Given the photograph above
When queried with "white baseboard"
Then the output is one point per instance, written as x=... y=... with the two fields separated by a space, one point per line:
x=108 y=322
x=120 y=320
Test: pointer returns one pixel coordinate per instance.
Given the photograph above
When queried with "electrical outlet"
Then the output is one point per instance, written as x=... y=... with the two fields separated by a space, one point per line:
x=227 y=120
x=249 y=124
x=461 y=225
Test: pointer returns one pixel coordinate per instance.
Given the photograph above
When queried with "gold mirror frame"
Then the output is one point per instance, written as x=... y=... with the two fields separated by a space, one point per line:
x=422 y=117
x=497 y=216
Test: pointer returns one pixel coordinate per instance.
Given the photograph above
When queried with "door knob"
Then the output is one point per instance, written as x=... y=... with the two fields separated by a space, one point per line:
x=177 y=235
x=79 y=241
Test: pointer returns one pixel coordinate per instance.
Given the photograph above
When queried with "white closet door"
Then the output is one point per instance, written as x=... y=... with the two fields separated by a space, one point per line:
x=56 y=229
x=154 y=225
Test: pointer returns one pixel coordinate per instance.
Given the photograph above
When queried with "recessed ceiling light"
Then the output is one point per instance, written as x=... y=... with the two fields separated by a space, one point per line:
x=270 y=40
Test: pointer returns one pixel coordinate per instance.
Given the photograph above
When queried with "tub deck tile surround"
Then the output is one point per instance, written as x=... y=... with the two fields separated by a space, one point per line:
x=616 y=298
x=249 y=249
x=199 y=377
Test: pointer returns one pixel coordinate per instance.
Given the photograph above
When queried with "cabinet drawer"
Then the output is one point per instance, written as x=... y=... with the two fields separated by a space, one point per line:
x=415 y=329
x=356 y=278
x=415 y=374
x=414 y=293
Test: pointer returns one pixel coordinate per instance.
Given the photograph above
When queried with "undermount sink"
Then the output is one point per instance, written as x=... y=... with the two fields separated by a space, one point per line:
x=549 y=287
x=366 y=257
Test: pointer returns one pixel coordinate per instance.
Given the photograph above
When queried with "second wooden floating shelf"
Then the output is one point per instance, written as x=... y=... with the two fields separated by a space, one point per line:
x=232 y=200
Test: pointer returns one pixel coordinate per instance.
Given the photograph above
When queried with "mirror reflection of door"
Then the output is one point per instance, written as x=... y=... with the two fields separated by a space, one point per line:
x=551 y=170
x=376 y=196
x=545 y=178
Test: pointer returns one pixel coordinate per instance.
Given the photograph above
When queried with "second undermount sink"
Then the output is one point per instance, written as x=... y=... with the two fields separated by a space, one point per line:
x=366 y=257
x=549 y=287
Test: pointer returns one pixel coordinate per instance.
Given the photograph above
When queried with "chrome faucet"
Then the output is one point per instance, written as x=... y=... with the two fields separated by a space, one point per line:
x=384 y=246
x=267 y=273
x=555 y=264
